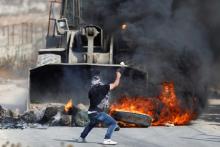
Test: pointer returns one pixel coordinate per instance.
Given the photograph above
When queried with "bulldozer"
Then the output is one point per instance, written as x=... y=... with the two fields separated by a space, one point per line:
x=76 y=51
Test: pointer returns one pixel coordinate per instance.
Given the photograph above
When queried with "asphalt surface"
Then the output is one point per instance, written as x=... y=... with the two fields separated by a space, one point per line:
x=204 y=132
x=196 y=135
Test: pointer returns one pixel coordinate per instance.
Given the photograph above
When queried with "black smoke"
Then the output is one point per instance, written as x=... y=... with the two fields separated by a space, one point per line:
x=171 y=40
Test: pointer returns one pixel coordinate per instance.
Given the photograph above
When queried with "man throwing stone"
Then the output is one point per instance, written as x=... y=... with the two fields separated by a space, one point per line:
x=98 y=95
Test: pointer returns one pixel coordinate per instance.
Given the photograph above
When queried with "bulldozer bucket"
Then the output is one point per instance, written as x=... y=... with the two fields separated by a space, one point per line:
x=60 y=82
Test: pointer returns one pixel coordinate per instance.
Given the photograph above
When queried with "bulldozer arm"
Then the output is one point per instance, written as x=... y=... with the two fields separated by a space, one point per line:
x=60 y=82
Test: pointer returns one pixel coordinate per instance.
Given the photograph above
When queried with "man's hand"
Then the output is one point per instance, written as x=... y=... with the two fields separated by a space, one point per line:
x=116 y=82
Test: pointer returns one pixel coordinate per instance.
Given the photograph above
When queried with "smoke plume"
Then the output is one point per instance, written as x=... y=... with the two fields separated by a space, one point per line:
x=164 y=38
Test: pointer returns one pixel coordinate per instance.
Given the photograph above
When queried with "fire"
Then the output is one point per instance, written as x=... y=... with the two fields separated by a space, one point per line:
x=166 y=108
x=68 y=106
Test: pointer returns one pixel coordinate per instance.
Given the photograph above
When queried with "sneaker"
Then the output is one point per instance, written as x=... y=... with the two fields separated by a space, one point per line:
x=117 y=128
x=81 y=140
x=109 y=142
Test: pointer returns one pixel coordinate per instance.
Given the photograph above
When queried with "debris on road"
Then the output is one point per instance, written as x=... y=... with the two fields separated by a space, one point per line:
x=169 y=125
x=135 y=119
x=43 y=116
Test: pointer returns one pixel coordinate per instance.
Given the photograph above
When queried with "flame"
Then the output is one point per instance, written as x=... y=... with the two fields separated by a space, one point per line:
x=68 y=106
x=124 y=26
x=166 y=108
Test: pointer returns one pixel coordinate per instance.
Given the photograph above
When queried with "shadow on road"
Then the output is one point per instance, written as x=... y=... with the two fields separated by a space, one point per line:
x=75 y=141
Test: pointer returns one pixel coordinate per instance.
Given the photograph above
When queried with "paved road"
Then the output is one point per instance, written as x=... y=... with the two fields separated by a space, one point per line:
x=198 y=134
x=204 y=132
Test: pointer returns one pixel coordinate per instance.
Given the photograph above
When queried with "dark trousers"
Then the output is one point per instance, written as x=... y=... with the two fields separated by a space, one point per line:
x=97 y=118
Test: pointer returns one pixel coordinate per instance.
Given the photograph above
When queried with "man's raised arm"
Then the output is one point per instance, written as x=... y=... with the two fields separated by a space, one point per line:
x=116 y=82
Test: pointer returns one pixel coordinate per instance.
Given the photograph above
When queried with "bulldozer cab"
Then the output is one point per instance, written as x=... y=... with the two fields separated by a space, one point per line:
x=72 y=42
x=88 y=46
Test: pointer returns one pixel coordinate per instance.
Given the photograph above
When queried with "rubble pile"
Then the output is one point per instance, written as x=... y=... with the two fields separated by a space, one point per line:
x=44 y=115
x=8 y=119
x=2 y=112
